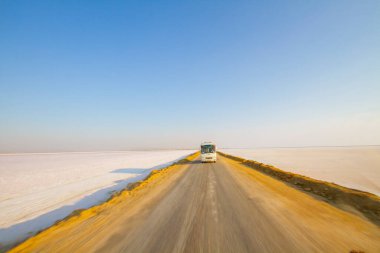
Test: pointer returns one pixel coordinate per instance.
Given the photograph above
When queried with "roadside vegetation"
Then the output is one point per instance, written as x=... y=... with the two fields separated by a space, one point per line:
x=82 y=214
x=352 y=200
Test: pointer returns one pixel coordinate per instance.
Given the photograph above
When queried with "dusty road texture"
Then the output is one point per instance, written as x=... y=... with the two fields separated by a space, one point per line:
x=222 y=207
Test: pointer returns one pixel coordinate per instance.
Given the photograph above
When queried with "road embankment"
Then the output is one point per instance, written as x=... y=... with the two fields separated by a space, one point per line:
x=209 y=207
x=365 y=203
x=81 y=216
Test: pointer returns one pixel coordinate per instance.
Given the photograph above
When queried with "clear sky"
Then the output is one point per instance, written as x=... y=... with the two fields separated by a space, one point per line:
x=111 y=75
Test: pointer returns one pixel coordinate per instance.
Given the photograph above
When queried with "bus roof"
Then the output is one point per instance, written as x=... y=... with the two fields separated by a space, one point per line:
x=207 y=143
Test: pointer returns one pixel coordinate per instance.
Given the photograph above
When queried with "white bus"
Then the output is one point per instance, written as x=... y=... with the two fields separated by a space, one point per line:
x=208 y=152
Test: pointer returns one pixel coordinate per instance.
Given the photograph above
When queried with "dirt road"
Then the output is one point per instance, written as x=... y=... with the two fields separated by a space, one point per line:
x=221 y=207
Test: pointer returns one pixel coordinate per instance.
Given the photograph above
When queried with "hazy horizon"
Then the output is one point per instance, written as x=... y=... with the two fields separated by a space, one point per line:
x=189 y=148
x=101 y=76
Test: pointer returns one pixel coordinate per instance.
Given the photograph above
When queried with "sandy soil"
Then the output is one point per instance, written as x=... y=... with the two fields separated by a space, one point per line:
x=352 y=167
x=222 y=207
x=38 y=189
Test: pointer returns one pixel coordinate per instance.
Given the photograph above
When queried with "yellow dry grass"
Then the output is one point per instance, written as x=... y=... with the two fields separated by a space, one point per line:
x=81 y=216
x=365 y=203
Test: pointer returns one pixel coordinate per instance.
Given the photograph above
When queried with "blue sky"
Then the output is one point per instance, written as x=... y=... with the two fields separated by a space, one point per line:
x=111 y=75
